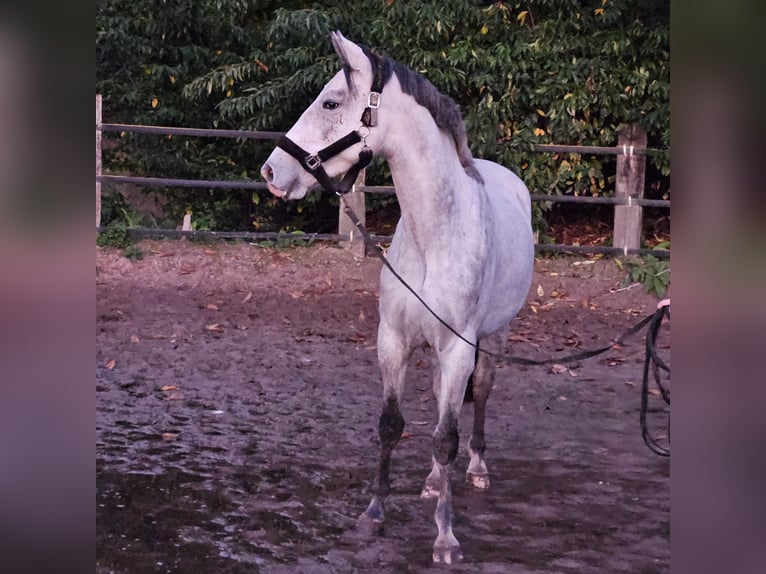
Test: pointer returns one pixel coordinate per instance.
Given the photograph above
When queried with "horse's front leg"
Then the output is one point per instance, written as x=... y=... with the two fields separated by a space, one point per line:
x=456 y=365
x=433 y=481
x=392 y=357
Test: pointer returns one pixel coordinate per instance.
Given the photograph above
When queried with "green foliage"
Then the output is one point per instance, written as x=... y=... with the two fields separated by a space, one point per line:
x=284 y=242
x=146 y=52
x=651 y=272
x=117 y=236
x=542 y=71
x=114 y=236
x=133 y=252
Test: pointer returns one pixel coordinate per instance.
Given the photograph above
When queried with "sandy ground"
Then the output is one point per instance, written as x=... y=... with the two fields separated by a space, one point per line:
x=237 y=401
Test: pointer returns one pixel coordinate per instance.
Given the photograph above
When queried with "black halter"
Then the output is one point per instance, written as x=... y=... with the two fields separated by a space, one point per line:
x=312 y=163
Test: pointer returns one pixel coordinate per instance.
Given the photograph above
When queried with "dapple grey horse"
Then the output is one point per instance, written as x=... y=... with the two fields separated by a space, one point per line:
x=463 y=243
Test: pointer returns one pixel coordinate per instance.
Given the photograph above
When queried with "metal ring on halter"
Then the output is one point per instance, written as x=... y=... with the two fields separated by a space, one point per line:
x=363 y=134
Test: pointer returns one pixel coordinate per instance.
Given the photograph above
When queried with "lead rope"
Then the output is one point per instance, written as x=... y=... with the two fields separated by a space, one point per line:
x=651 y=359
x=369 y=241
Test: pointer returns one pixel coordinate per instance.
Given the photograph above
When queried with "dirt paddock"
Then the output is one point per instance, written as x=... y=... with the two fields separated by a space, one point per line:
x=237 y=402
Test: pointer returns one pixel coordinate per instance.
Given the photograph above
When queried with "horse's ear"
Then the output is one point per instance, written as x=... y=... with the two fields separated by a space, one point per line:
x=349 y=53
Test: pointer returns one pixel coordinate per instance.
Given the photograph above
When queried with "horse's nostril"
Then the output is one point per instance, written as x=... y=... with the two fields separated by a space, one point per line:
x=267 y=173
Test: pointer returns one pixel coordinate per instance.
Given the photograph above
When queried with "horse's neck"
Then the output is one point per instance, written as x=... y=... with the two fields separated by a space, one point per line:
x=430 y=182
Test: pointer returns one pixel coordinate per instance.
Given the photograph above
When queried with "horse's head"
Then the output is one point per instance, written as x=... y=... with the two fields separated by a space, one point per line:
x=335 y=117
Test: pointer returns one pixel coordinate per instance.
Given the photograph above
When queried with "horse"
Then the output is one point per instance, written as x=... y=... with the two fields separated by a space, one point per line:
x=463 y=242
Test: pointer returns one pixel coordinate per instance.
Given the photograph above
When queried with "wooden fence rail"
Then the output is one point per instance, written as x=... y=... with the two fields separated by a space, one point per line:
x=628 y=201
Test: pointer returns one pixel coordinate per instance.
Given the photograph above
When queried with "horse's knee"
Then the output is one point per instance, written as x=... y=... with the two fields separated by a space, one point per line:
x=391 y=423
x=446 y=440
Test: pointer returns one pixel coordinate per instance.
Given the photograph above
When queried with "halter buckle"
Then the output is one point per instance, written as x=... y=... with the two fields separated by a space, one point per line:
x=313 y=161
x=373 y=102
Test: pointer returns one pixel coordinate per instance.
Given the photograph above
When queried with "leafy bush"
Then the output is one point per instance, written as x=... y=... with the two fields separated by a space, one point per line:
x=651 y=272
x=545 y=71
x=114 y=236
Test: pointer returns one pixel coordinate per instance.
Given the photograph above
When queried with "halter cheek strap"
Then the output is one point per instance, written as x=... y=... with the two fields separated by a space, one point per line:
x=312 y=163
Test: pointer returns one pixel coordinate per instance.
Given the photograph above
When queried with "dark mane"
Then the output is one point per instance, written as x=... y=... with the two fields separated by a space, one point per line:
x=443 y=109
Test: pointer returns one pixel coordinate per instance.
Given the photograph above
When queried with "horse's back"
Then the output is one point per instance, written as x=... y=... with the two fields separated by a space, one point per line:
x=507 y=192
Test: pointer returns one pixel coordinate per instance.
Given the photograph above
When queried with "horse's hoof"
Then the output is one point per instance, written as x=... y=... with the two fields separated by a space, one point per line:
x=478 y=481
x=368 y=525
x=447 y=555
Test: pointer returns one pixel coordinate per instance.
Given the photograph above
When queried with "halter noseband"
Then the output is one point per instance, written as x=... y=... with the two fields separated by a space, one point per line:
x=312 y=163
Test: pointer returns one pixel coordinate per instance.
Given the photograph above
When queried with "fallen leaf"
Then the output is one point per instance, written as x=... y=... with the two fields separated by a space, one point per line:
x=169 y=436
x=134 y=339
x=356 y=338
x=562 y=398
x=540 y=292
x=166 y=388
x=211 y=306
x=630 y=383
x=174 y=396
x=248 y=297
x=215 y=327
x=296 y=294
x=362 y=316
x=110 y=364
x=533 y=309
x=558 y=368
x=406 y=435
x=420 y=423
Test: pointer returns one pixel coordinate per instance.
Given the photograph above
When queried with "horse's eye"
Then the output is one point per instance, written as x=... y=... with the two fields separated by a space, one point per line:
x=330 y=105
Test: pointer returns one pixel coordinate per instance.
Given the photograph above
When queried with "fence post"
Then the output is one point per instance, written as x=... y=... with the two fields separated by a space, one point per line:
x=98 y=159
x=631 y=168
x=355 y=200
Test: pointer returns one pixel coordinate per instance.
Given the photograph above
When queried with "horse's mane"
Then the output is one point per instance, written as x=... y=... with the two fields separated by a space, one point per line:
x=443 y=109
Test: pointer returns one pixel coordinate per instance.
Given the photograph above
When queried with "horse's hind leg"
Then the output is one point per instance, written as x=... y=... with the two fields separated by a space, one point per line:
x=483 y=379
x=392 y=357
x=480 y=385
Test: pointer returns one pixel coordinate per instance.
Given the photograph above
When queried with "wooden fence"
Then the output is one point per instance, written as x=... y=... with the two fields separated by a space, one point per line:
x=628 y=200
